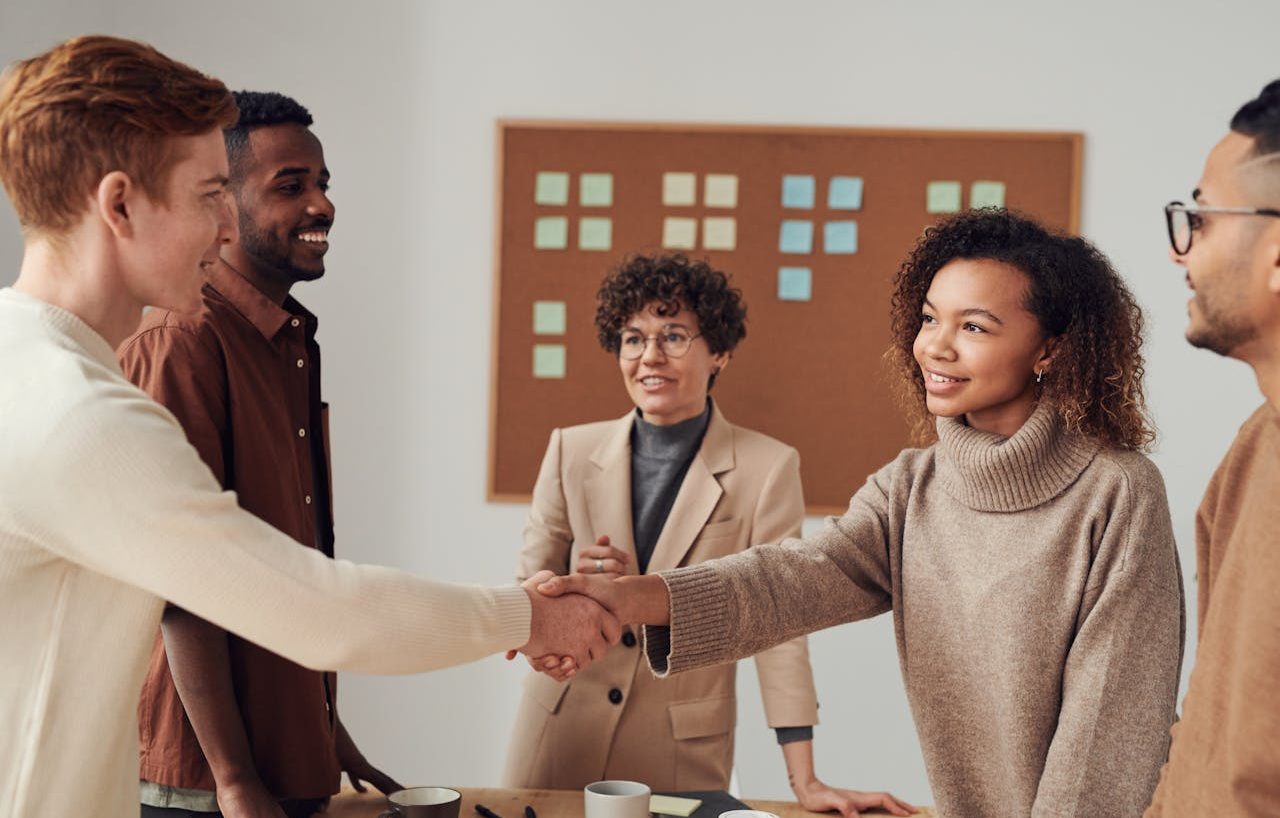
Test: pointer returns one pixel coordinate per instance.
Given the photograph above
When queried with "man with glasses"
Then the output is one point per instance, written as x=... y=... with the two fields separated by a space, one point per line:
x=1225 y=758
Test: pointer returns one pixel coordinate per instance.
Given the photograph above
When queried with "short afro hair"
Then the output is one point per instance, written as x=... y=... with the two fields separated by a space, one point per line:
x=259 y=109
x=1095 y=382
x=1260 y=119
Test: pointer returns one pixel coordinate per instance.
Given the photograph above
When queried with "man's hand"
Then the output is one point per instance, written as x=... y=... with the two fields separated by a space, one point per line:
x=634 y=600
x=247 y=799
x=358 y=769
x=602 y=559
x=573 y=626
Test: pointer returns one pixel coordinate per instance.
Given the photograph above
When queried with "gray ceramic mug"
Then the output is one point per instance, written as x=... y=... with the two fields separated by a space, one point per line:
x=423 y=802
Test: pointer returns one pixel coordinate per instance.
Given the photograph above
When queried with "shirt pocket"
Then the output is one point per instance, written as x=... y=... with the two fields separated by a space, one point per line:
x=718 y=538
x=705 y=717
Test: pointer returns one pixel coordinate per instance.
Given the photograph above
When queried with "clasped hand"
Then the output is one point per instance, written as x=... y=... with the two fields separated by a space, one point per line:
x=578 y=613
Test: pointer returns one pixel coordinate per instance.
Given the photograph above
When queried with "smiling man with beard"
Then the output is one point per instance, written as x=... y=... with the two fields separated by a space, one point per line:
x=225 y=725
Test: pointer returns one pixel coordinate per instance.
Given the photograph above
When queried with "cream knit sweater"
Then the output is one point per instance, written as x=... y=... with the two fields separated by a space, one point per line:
x=1037 y=603
x=105 y=512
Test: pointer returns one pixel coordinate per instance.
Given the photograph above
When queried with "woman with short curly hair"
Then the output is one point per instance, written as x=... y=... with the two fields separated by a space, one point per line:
x=669 y=483
x=1027 y=555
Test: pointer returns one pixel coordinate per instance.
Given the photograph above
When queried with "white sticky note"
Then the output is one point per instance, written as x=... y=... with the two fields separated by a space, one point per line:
x=986 y=194
x=679 y=189
x=942 y=197
x=720 y=190
x=548 y=361
x=679 y=233
x=549 y=318
x=719 y=233
x=551 y=188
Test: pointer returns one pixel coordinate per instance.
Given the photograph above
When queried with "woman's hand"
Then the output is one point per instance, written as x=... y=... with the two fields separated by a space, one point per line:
x=816 y=796
x=603 y=559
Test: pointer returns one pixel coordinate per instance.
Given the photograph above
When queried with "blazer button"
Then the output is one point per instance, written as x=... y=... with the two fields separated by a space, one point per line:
x=629 y=639
x=615 y=696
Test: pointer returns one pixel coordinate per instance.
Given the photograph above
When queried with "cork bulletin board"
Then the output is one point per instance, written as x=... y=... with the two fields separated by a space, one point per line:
x=811 y=223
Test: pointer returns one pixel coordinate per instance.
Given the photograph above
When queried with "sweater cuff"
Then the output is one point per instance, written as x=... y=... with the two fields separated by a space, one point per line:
x=699 y=617
x=786 y=735
x=513 y=614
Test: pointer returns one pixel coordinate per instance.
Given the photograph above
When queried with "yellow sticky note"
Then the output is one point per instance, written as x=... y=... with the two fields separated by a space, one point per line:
x=719 y=233
x=670 y=805
x=548 y=361
x=679 y=189
x=679 y=233
x=720 y=190
x=986 y=194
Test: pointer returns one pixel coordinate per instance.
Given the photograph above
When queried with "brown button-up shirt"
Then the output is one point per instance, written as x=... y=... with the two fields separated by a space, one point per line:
x=242 y=375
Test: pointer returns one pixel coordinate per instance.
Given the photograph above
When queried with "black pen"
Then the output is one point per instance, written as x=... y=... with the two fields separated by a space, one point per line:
x=486 y=812
x=529 y=813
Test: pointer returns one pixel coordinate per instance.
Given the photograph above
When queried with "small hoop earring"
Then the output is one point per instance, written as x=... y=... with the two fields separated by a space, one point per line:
x=1039 y=376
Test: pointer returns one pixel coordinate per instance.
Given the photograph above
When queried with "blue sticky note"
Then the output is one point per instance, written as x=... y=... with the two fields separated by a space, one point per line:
x=797 y=191
x=840 y=237
x=795 y=283
x=551 y=233
x=942 y=197
x=548 y=360
x=796 y=237
x=845 y=193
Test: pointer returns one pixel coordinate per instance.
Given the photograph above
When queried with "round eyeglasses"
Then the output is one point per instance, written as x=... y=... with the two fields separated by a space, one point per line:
x=1184 y=220
x=673 y=342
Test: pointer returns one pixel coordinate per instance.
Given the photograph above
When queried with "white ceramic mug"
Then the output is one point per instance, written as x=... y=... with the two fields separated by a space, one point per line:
x=423 y=802
x=747 y=813
x=617 y=799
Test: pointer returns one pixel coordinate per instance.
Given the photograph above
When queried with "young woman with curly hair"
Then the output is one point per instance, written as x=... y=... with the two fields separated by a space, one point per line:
x=672 y=482
x=1027 y=555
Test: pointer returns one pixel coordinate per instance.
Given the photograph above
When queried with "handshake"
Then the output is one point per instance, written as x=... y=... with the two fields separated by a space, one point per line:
x=576 y=618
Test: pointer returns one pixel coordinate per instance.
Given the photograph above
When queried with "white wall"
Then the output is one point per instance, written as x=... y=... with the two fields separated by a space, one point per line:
x=405 y=95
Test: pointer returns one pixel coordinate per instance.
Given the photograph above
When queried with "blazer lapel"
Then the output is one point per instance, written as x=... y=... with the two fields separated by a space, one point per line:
x=698 y=494
x=608 y=492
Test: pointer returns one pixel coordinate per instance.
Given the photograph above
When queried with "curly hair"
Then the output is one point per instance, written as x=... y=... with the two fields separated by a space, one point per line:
x=1095 y=383
x=673 y=282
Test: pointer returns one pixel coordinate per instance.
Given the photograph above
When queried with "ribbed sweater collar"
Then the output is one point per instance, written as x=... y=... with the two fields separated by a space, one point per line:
x=988 y=472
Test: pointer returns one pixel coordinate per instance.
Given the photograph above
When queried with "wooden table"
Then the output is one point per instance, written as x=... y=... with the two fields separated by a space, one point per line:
x=510 y=803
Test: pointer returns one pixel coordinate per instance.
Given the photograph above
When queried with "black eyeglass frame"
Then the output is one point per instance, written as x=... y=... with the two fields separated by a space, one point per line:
x=1193 y=221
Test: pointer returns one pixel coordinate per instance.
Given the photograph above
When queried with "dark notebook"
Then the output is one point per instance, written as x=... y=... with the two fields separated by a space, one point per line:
x=714 y=802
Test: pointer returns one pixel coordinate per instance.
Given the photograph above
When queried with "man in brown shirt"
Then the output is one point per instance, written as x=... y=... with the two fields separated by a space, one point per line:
x=1225 y=757
x=225 y=725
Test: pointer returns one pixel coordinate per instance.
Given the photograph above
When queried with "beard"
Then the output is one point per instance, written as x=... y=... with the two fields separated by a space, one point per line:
x=272 y=253
x=1218 y=330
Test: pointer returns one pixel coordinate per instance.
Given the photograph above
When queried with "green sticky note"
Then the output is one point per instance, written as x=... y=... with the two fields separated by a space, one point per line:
x=840 y=237
x=551 y=233
x=595 y=189
x=551 y=188
x=679 y=233
x=942 y=197
x=986 y=194
x=719 y=233
x=795 y=283
x=548 y=361
x=679 y=189
x=549 y=318
x=595 y=233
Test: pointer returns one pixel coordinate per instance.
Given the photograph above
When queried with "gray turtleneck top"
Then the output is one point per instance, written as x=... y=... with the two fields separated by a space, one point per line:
x=1037 y=604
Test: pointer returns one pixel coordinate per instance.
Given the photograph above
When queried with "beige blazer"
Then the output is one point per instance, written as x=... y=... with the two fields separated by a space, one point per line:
x=615 y=720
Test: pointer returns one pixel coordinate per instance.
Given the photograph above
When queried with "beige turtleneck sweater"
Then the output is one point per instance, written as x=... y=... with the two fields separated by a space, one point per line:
x=1037 y=603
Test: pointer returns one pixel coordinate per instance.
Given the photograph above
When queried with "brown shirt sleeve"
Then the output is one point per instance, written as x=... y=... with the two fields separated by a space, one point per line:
x=188 y=377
